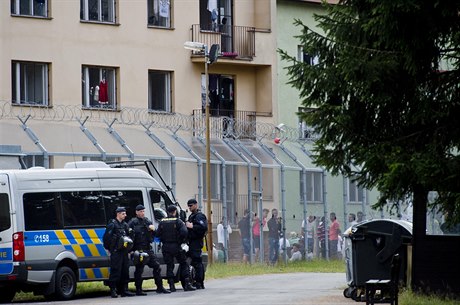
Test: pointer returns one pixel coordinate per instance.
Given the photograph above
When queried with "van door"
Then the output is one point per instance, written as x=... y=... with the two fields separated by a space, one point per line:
x=6 y=227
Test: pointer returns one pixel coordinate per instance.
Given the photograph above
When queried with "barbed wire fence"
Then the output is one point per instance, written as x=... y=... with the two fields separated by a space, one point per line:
x=239 y=129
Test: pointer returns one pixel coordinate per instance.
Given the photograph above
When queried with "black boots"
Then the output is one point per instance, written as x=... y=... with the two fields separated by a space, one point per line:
x=188 y=286
x=113 y=292
x=160 y=288
x=127 y=293
x=199 y=285
x=172 y=288
x=139 y=291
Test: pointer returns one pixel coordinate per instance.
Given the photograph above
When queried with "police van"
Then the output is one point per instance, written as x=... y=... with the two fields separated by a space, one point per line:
x=52 y=222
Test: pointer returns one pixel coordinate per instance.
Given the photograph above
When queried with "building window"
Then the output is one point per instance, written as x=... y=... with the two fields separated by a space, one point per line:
x=99 y=87
x=97 y=10
x=314 y=187
x=30 y=83
x=355 y=192
x=34 y=160
x=216 y=15
x=306 y=58
x=38 y=8
x=160 y=91
x=159 y=13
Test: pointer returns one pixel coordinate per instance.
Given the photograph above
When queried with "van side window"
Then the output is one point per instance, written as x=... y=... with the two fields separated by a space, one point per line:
x=83 y=209
x=127 y=199
x=5 y=221
x=42 y=211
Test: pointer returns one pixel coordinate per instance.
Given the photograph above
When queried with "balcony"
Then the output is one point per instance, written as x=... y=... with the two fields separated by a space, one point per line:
x=236 y=42
x=227 y=123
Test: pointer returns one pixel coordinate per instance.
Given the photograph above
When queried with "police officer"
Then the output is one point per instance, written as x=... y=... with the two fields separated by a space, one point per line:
x=117 y=243
x=197 y=227
x=172 y=232
x=143 y=231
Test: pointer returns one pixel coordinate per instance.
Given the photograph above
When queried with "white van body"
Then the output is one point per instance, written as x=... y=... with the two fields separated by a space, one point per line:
x=52 y=222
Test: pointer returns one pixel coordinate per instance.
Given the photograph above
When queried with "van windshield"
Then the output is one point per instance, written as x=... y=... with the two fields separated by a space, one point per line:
x=5 y=220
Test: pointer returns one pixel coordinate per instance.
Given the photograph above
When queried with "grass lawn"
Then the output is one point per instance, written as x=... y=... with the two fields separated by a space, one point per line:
x=217 y=270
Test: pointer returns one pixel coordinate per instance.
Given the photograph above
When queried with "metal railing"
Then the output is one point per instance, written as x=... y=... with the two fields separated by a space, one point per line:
x=227 y=123
x=236 y=42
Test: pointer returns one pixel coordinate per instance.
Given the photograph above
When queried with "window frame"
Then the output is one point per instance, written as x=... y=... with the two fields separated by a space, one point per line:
x=314 y=191
x=111 y=11
x=151 y=7
x=358 y=192
x=20 y=83
x=16 y=8
x=88 y=95
x=167 y=104
x=54 y=210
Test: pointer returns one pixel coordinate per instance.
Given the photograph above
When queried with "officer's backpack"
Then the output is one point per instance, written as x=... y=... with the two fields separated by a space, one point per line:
x=107 y=238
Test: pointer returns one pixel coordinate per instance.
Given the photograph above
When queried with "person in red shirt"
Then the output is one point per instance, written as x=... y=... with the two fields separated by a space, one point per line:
x=334 y=231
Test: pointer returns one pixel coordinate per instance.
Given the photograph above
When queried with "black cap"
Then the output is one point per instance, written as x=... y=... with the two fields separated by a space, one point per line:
x=140 y=207
x=192 y=201
x=171 y=208
x=120 y=209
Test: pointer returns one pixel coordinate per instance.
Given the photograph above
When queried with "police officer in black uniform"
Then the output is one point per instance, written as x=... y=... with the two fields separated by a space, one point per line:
x=172 y=232
x=143 y=231
x=197 y=227
x=117 y=243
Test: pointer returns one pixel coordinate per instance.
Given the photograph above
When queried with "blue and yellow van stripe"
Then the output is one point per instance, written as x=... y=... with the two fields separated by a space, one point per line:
x=84 y=243
x=94 y=273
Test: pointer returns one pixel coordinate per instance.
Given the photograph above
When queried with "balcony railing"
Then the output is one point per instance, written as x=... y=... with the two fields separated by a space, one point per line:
x=227 y=123
x=237 y=42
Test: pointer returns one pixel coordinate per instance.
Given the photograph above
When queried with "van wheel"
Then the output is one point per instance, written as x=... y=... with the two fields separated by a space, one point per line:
x=7 y=294
x=66 y=284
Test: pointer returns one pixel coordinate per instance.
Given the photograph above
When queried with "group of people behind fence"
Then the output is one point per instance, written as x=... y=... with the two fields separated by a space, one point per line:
x=315 y=232
x=133 y=240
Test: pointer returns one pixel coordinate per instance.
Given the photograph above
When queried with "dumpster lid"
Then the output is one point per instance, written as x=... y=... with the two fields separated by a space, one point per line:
x=384 y=226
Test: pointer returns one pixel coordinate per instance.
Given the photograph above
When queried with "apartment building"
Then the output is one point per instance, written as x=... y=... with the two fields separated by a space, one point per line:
x=111 y=80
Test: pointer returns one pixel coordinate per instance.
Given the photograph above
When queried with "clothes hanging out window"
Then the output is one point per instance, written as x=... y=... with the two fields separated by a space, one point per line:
x=99 y=87
x=159 y=13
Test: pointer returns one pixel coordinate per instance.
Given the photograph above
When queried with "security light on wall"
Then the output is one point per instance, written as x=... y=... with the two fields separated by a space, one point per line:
x=280 y=127
x=194 y=46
